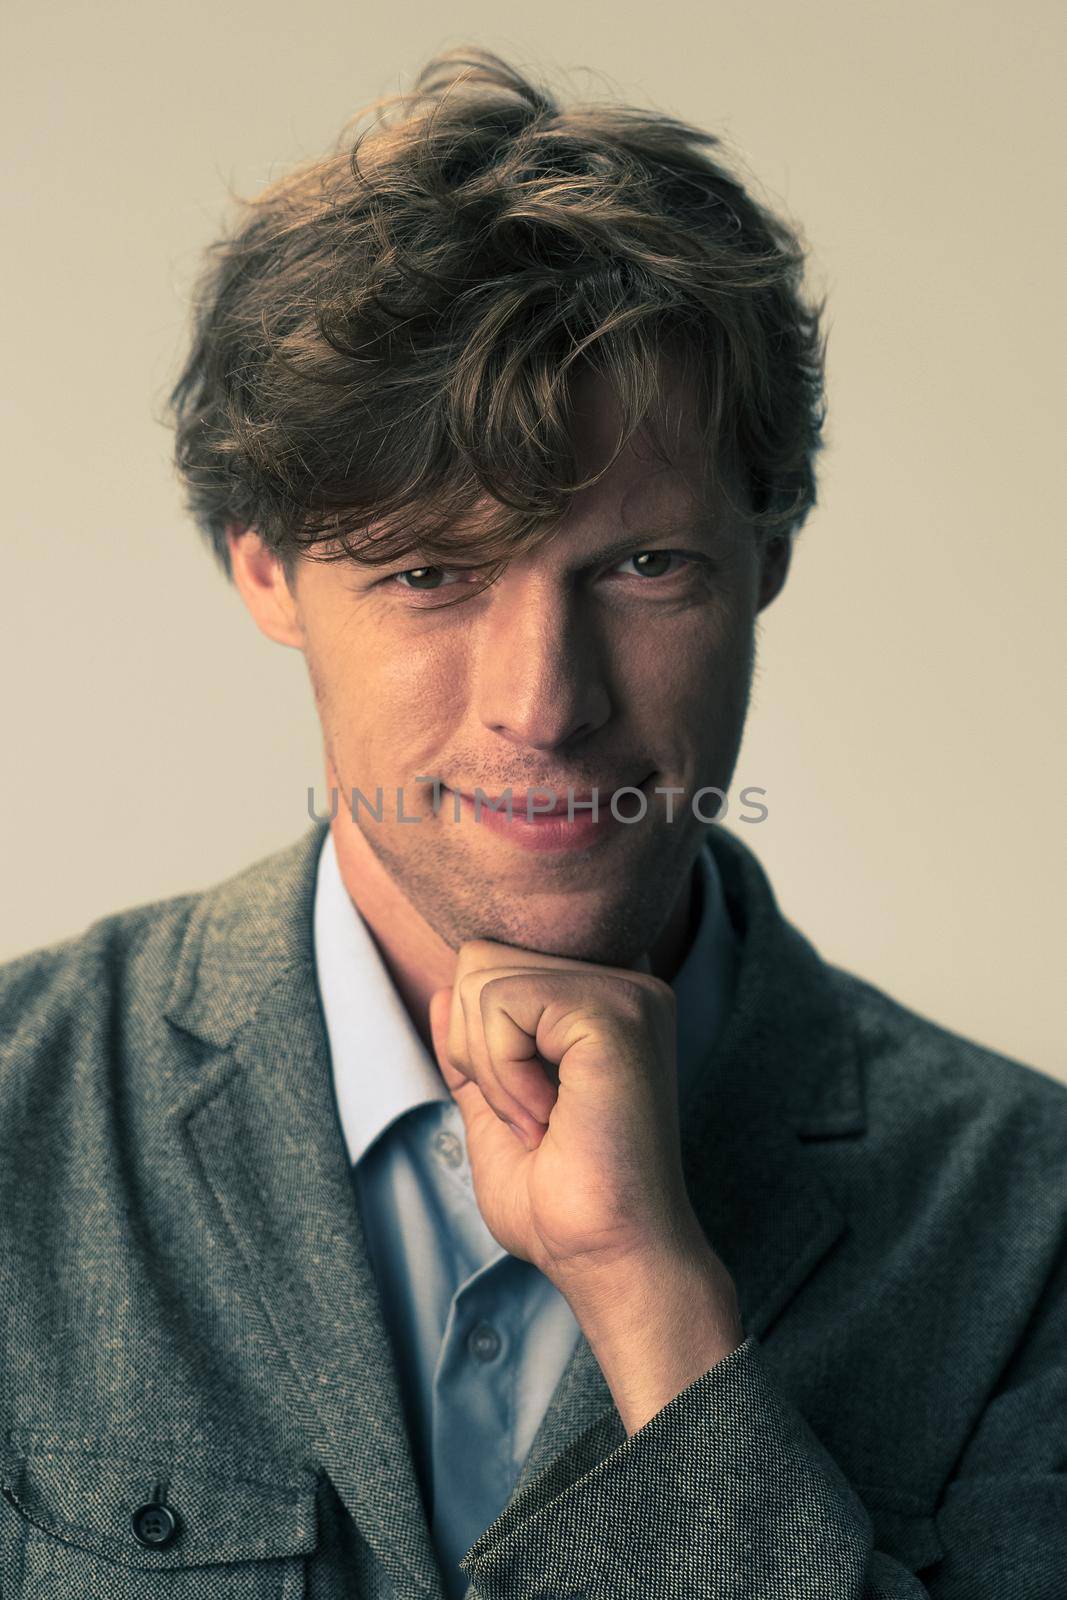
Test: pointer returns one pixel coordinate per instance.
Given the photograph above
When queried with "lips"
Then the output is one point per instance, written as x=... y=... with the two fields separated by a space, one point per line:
x=580 y=797
x=521 y=797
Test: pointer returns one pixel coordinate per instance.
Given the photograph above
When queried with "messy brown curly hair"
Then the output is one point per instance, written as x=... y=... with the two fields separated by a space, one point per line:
x=392 y=332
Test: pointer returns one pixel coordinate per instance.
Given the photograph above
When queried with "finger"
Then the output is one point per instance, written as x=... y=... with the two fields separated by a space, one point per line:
x=524 y=1075
x=468 y=1073
x=440 y=1014
x=479 y=1119
x=513 y=1095
x=478 y=955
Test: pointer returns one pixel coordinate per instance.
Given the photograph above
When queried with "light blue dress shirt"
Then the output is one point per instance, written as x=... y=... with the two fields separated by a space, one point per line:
x=480 y=1337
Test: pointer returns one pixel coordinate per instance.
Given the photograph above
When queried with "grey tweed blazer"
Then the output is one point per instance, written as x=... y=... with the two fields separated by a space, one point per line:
x=197 y=1394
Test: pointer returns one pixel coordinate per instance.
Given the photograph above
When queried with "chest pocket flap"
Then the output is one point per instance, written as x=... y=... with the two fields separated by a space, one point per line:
x=78 y=1516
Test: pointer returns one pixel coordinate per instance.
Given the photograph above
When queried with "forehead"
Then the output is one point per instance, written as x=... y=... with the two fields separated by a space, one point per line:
x=660 y=483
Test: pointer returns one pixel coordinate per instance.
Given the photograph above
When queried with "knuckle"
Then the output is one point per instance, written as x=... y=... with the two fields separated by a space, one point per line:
x=469 y=984
x=661 y=994
x=647 y=1002
x=494 y=991
x=478 y=950
x=632 y=1000
x=502 y=983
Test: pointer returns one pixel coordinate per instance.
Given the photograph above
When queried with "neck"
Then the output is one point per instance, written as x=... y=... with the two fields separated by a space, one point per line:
x=417 y=959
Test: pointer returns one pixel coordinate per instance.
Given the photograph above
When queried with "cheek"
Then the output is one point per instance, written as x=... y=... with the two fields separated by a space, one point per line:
x=685 y=670
x=402 y=700
x=695 y=710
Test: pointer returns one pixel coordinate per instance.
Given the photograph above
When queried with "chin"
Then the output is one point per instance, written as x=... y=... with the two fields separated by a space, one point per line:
x=583 y=943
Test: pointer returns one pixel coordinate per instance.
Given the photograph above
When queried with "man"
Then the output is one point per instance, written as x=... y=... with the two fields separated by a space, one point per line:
x=492 y=1193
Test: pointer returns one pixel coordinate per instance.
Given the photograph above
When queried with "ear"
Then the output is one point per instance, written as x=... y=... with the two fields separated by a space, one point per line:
x=774 y=568
x=260 y=578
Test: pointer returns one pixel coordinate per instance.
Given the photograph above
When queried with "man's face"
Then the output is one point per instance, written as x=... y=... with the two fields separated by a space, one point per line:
x=574 y=670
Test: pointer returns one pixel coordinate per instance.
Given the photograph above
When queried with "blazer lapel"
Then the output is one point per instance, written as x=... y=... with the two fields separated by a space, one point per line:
x=267 y=1158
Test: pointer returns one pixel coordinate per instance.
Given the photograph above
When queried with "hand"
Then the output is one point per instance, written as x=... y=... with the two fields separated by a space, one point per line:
x=580 y=1060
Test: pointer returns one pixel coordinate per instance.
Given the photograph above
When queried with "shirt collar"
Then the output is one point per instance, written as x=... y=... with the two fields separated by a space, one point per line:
x=382 y=1069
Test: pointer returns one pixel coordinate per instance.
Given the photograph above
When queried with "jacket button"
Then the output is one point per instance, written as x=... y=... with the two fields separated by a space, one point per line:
x=154 y=1525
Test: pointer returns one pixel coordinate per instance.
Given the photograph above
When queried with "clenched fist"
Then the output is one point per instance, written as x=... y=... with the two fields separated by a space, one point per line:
x=565 y=1075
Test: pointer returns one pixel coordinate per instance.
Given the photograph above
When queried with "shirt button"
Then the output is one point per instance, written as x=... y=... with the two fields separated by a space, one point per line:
x=483 y=1342
x=448 y=1148
x=154 y=1525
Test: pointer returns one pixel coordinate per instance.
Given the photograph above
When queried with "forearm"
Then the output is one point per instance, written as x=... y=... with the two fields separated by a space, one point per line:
x=656 y=1323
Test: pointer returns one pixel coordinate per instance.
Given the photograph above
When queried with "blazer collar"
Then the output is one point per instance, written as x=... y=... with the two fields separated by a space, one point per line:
x=258 y=1121
x=249 y=932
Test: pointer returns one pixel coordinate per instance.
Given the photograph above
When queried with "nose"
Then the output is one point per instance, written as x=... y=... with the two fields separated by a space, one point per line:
x=540 y=677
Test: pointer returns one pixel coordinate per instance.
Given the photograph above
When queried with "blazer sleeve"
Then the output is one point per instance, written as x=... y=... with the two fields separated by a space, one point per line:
x=727 y=1494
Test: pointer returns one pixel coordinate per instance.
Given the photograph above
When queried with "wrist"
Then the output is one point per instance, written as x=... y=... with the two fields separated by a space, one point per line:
x=657 y=1322
x=677 y=1268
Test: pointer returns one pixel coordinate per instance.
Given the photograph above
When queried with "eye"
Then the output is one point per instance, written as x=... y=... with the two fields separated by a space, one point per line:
x=648 y=562
x=428 y=580
x=423 y=577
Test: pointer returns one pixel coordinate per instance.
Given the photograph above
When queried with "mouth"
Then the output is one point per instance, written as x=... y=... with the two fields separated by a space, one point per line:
x=521 y=799
x=569 y=825
x=538 y=792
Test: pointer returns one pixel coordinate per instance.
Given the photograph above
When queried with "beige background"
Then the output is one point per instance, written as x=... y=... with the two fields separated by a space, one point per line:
x=908 y=703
